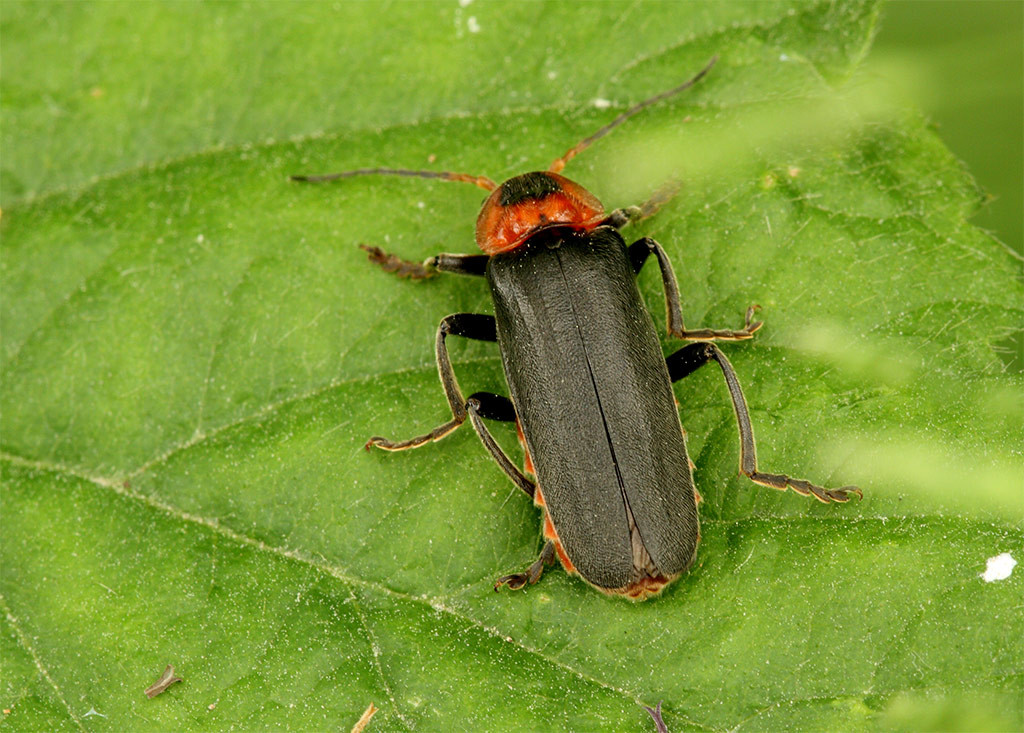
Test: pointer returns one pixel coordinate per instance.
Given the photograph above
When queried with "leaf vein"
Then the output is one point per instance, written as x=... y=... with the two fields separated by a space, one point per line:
x=25 y=644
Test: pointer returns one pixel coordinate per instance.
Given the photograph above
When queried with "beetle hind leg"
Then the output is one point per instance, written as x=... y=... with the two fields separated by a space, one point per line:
x=690 y=358
x=532 y=574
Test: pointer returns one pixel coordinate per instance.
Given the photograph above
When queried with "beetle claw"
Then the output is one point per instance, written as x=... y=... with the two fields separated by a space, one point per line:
x=532 y=574
x=750 y=325
x=514 y=582
x=845 y=493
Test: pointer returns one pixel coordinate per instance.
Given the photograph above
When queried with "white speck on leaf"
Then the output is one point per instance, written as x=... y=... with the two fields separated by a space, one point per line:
x=999 y=567
x=602 y=103
x=472 y=25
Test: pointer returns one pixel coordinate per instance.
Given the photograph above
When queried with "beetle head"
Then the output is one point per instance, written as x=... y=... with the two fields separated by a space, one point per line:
x=526 y=204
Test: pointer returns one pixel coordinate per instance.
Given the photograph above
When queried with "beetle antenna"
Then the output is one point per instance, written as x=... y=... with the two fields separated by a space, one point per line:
x=482 y=181
x=583 y=144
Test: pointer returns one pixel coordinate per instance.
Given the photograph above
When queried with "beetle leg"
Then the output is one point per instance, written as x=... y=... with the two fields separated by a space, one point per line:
x=621 y=217
x=690 y=358
x=533 y=573
x=456 y=264
x=460 y=264
x=638 y=254
x=468 y=325
x=477 y=410
x=494 y=406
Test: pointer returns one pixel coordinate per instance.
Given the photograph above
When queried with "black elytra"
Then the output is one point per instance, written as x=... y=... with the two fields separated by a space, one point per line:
x=590 y=386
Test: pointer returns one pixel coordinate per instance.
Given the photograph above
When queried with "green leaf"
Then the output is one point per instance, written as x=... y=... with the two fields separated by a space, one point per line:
x=195 y=351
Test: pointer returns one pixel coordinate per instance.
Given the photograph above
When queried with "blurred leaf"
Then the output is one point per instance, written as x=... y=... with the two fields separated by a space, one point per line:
x=194 y=352
x=962 y=64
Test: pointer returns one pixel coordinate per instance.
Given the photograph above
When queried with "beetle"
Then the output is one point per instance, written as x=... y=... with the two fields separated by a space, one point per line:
x=590 y=391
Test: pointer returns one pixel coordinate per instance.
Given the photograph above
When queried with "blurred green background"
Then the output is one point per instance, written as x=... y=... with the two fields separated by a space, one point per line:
x=963 y=63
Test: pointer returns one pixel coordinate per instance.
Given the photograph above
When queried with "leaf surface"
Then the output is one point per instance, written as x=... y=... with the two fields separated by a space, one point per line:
x=195 y=351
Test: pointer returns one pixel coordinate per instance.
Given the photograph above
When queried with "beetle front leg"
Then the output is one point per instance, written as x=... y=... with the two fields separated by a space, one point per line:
x=456 y=264
x=467 y=325
x=639 y=251
x=621 y=217
x=690 y=358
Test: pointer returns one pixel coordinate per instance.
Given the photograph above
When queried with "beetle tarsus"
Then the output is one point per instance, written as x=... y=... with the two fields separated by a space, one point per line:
x=665 y=193
x=396 y=265
x=514 y=582
x=806 y=488
x=436 y=434
x=750 y=327
x=631 y=214
x=532 y=574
